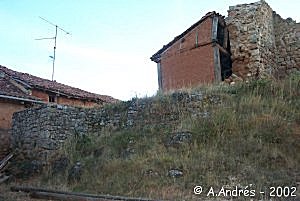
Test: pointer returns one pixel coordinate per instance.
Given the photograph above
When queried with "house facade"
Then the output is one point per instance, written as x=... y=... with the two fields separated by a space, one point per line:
x=19 y=91
x=201 y=54
x=253 y=42
x=12 y=99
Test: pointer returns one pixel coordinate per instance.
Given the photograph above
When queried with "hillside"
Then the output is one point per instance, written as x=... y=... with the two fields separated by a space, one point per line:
x=243 y=135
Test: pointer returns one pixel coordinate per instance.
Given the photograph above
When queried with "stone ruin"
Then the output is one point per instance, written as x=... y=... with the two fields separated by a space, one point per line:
x=262 y=43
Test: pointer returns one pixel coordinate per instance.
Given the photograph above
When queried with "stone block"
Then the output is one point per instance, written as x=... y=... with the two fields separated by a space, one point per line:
x=253 y=39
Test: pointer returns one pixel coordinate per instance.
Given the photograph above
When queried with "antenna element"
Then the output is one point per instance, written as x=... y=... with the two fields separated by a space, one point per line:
x=55 y=37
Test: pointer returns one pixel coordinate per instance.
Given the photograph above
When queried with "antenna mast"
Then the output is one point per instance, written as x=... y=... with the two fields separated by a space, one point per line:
x=55 y=37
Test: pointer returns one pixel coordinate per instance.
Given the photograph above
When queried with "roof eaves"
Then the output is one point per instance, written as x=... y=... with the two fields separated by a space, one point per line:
x=30 y=81
x=96 y=99
x=20 y=98
x=24 y=83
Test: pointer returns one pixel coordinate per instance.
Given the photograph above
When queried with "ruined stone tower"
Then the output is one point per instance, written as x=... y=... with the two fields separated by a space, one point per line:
x=262 y=43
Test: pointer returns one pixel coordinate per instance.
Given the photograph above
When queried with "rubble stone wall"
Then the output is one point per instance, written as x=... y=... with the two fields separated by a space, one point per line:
x=287 y=38
x=266 y=40
x=262 y=43
x=38 y=132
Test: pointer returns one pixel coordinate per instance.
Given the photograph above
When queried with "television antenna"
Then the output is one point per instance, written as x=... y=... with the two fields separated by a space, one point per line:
x=53 y=38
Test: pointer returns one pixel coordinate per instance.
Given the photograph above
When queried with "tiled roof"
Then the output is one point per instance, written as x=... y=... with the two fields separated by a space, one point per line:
x=53 y=86
x=9 y=89
x=156 y=56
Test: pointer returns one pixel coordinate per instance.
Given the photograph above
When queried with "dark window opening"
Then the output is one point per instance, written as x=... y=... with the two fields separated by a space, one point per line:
x=226 y=65
x=220 y=35
x=225 y=54
x=52 y=99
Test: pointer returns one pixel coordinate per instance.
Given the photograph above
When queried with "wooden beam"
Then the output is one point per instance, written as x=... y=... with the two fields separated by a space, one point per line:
x=226 y=38
x=5 y=161
x=3 y=178
x=214 y=36
x=222 y=49
x=159 y=73
x=217 y=64
x=60 y=195
x=63 y=197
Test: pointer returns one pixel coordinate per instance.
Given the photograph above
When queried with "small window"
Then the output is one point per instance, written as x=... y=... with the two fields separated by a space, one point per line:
x=51 y=99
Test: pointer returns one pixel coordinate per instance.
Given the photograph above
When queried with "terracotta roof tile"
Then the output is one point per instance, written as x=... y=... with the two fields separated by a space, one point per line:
x=53 y=86
x=9 y=89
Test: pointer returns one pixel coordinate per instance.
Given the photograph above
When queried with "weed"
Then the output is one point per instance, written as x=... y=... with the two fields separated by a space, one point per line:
x=248 y=135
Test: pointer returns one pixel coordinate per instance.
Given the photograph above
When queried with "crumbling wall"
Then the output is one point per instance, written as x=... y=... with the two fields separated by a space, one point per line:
x=266 y=42
x=38 y=132
x=251 y=39
x=287 y=38
x=262 y=43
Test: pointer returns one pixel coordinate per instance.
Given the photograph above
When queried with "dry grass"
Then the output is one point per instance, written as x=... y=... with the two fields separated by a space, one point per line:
x=252 y=137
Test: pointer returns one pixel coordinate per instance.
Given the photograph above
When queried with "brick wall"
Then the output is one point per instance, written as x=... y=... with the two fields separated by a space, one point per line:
x=184 y=64
x=64 y=100
x=76 y=102
x=7 y=109
x=41 y=95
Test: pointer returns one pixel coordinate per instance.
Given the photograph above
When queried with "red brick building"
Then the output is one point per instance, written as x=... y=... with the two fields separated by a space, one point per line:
x=199 y=55
x=21 y=90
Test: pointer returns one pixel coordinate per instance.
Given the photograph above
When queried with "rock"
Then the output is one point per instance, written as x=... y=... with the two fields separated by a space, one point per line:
x=253 y=39
x=196 y=96
x=227 y=81
x=236 y=78
x=175 y=173
x=179 y=96
x=128 y=153
x=151 y=173
x=182 y=137
x=75 y=173
x=204 y=114
x=130 y=122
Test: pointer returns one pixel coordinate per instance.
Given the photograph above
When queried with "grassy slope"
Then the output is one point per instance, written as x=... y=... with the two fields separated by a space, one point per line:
x=251 y=137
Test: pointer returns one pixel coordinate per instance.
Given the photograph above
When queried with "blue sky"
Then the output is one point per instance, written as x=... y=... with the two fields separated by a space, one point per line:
x=111 y=42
